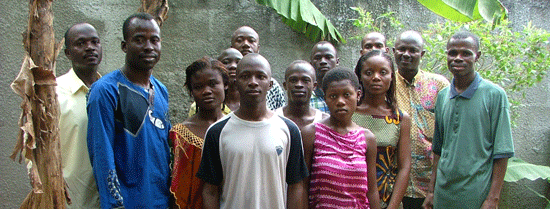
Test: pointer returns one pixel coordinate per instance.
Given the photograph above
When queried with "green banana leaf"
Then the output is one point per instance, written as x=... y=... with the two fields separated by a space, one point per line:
x=519 y=169
x=304 y=17
x=467 y=10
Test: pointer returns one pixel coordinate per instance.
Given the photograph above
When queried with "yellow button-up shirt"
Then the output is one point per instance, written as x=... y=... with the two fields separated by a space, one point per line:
x=418 y=99
x=73 y=124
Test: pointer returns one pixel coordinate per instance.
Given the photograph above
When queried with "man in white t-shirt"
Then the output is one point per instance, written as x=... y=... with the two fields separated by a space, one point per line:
x=253 y=158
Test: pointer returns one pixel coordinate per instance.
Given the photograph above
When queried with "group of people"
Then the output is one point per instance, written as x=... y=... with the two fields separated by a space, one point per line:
x=367 y=137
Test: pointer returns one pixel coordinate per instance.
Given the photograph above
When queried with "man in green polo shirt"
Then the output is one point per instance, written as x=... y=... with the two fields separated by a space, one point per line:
x=472 y=140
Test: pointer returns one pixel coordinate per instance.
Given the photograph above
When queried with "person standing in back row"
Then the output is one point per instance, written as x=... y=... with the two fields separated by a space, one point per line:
x=416 y=92
x=246 y=40
x=83 y=49
x=324 y=58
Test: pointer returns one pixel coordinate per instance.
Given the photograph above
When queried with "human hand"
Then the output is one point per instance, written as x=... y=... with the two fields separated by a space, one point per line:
x=489 y=203
x=429 y=201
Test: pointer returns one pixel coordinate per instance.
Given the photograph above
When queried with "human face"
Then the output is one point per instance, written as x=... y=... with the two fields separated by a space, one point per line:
x=461 y=57
x=246 y=40
x=230 y=58
x=143 y=45
x=341 y=98
x=408 y=51
x=299 y=83
x=84 y=47
x=207 y=89
x=323 y=59
x=373 y=41
x=253 y=82
x=376 y=75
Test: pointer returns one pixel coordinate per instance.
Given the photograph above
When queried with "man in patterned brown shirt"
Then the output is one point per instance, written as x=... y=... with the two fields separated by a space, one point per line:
x=416 y=94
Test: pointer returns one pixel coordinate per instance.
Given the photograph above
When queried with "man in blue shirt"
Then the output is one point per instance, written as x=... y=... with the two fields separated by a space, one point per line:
x=128 y=124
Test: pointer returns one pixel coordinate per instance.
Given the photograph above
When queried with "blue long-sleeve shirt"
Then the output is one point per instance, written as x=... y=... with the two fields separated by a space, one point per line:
x=128 y=142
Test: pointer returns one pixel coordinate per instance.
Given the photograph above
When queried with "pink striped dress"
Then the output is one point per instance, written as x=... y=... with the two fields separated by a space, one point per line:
x=338 y=170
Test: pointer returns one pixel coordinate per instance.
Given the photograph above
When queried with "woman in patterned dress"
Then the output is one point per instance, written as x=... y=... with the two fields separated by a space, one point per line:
x=340 y=154
x=377 y=111
x=206 y=79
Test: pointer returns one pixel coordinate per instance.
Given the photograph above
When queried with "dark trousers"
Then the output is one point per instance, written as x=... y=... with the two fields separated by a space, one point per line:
x=412 y=203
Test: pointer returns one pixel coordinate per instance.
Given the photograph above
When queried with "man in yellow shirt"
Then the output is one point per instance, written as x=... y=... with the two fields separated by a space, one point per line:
x=83 y=49
x=416 y=92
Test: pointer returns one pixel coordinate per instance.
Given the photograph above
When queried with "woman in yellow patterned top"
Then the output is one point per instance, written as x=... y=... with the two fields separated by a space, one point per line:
x=206 y=79
x=378 y=112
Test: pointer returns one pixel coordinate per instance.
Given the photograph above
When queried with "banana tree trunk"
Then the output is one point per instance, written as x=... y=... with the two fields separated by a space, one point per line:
x=157 y=8
x=38 y=140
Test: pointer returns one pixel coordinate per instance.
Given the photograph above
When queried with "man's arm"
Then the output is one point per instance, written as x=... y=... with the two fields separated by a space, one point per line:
x=297 y=195
x=210 y=196
x=497 y=179
x=429 y=201
x=297 y=168
x=101 y=107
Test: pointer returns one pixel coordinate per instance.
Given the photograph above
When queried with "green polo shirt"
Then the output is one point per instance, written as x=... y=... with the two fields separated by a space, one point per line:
x=471 y=130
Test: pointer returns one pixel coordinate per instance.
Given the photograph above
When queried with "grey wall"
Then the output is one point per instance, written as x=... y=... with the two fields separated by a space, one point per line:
x=196 y=28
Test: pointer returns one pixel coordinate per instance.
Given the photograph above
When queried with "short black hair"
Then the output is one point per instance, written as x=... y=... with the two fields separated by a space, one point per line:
x=299 y=62
x=67 y=34
x=340 y=74
x=464 y=34
x=143 y=16
x=205 y=63
x=390 y=94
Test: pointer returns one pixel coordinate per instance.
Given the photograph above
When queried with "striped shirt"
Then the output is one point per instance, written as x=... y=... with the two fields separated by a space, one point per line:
x=339 y=169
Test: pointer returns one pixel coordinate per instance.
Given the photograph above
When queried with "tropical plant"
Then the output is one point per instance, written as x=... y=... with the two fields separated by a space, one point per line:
x=467 y=10
x=519 y=169
x=387 y=23
x=513 y=59
x=304 y=17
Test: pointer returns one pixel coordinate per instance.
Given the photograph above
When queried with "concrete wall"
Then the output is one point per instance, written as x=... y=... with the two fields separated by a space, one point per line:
x=196 y=28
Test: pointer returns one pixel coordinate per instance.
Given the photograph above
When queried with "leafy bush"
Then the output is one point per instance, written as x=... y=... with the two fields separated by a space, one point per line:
x=513 y=59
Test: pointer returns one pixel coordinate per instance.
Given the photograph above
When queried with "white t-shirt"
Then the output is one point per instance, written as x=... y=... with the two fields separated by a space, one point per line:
x=318 y=114
x=253 y=161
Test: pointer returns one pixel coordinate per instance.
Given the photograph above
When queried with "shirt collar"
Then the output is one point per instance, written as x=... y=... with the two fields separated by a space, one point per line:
x=75 y=84
x=406 y=82
x=319 y=93
x=469 y=92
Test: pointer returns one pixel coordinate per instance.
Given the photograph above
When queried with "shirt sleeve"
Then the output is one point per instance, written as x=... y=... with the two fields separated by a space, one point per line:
x=210 y=169
x=100 y=136
x=275 y=96
x=437 y=141
x=503 y=146
x=296 y=168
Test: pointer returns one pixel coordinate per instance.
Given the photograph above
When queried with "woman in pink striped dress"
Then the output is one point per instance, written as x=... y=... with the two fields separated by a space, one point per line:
x=340 y=154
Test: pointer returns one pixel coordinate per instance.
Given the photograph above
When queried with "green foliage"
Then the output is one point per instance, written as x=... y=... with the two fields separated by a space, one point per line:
x=386 y=23
x=467 y=10
x=519 y=169
x=513 y=59
x=303 y=16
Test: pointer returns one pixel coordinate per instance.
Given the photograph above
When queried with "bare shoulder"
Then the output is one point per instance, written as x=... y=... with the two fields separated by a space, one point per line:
x=368 y=134
x=308 y=129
